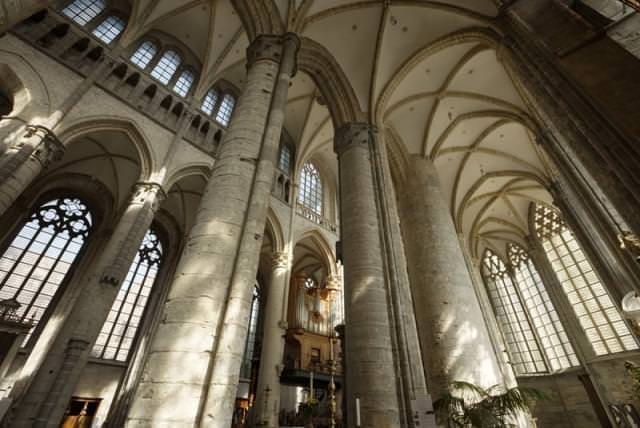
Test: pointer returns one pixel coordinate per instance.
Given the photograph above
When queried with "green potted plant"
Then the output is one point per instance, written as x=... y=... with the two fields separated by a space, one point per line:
x=472 y=406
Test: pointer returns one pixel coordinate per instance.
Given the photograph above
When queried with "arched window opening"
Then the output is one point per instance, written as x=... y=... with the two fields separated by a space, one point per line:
x=309 y=283
x=284 y=161
x=109 y=29
x=598 y=316
x=249 y=348
x=310 y=194
x=166 y=67
x=524 y=350
x=119 y=330
x=225 y=110
x=144 y=54
x=553 y=338
x=209 y=102
x=39 y=258
x=184 y=82
x=83 y=11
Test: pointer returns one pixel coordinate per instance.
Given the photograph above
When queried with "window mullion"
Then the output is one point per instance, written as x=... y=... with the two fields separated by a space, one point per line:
x=135 y=302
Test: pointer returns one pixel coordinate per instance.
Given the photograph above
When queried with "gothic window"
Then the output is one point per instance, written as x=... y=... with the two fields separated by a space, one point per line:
x=144 y=54
x=553 y=338
x=209 y=102
x=593 y=306
x=310 y=194
x=166 y=67
x=249 y=348
x=225 y=110
x=284 y=162
x=183 y=84
x=119 y=330
x=522 y=345
x=83 y=11
x=39 y=258
x=109 y=29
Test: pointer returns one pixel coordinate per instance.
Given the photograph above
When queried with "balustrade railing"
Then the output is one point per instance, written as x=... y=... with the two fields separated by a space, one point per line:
x=311 y=215
x=53 y=34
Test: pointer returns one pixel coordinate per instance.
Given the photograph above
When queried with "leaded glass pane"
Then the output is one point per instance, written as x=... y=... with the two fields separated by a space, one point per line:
x=596 y=312
x=247 y=360
x=119 y=330
x=39 y=258
x=284 y=163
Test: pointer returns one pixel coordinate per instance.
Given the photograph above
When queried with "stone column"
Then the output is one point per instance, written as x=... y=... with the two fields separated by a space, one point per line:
x=24 y=160
x=15 y=11
x=371 y=375
x=35 y=147
x=48 y=394
x=452 y=329
x=195 y=356
x=268 y=405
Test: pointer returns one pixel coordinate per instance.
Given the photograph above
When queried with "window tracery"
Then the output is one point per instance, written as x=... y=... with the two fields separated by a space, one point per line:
x=219 y=108
x=226 y=109
x=310 y=194
x=41 y=255
x=594 y=308
x=553 y=338
x=524 y=349
x=119 y=330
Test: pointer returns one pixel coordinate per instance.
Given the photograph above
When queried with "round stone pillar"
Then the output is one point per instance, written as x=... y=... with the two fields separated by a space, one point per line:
x=24 y=160
x=268 y=403
x=192 y=371
x=453 y=334
x=58 y=369
x=371 y=376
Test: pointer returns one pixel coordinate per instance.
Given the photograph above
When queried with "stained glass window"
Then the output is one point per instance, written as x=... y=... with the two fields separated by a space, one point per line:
x=83 y=11
x=310 y=194
x=144 y=54
x=166 y=67
x=39 y=258
x=119 y=330
x=524 y=349
x=284 y=162
x=109 y=29
x=598 y=316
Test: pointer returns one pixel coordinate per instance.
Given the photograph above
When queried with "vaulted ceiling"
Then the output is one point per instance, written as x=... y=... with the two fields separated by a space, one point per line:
x=427 y=73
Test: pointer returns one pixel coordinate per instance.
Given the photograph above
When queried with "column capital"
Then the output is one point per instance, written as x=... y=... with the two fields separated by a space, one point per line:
x=352 y=135
x=148 y=191
x=280 y=260
x=272 y=47
x=50 y=147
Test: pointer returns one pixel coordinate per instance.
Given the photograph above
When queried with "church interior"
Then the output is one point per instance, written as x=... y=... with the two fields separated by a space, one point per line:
x=319 y=213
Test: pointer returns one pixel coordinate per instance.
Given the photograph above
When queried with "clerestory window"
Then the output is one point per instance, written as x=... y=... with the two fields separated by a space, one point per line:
x=109 y=29
x=144 y=54
x=166 y=67
x=184 y=82
x=83 y=11
x=310 y=194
